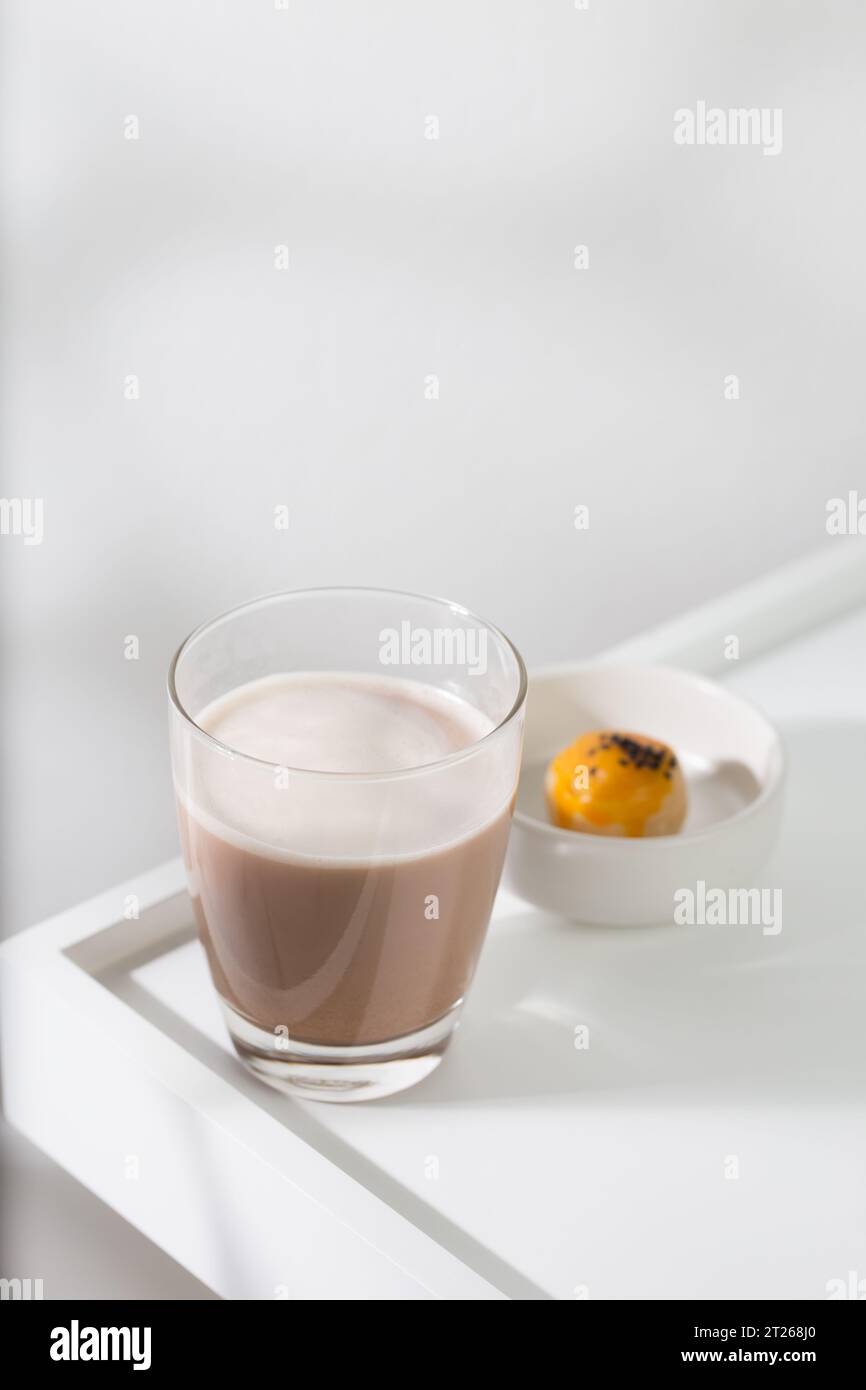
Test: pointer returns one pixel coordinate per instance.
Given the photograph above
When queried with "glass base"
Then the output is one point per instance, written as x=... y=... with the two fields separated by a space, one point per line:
x=311 y=1071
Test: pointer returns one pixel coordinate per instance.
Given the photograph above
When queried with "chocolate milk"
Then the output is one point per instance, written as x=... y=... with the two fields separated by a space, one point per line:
x=318 y=918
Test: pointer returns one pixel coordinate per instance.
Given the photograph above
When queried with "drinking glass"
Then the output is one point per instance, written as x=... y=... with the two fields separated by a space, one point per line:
x=342 y=914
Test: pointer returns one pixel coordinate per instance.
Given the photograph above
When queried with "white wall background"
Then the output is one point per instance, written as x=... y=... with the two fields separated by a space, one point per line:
x=407 y=257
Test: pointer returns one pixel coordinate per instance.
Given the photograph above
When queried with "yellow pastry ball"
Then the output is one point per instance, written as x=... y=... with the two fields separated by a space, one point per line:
x=616 y=784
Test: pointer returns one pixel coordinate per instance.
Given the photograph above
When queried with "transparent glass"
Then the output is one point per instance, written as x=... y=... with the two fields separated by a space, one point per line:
x=343 y=913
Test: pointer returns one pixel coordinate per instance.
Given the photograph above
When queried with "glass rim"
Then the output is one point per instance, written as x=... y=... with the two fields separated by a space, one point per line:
x=461 y=754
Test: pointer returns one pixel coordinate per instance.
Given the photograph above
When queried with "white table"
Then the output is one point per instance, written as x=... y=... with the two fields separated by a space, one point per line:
x=710 y=1142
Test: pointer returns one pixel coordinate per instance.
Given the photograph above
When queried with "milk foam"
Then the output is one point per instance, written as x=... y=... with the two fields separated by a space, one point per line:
x=329 y=722
x=363 y=725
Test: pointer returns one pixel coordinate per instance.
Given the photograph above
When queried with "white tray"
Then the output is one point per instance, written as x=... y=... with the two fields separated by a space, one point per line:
x=710 y=1142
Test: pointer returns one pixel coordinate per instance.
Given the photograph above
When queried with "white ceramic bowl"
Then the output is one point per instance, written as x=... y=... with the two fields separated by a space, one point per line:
x=734 y=765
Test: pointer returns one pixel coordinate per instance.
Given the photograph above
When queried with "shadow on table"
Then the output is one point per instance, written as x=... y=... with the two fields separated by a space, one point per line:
x=700 y=1013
